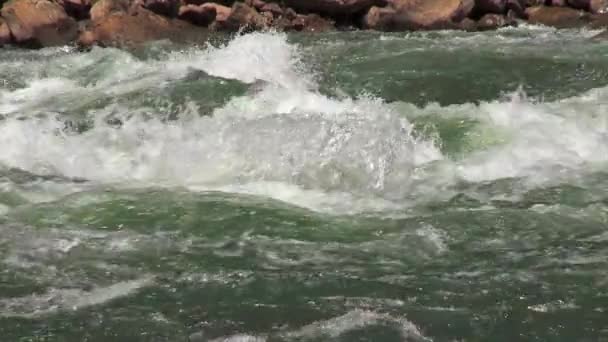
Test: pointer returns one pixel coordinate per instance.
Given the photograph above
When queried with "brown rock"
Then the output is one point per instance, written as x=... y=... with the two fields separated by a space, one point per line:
x=39 y=23
x=167 y=8
x=5 y=33
x=244 y=17
x=560 y=17
x=593 y=6
x=201 y=15
x=137 y=27
x=333 y=7
x=417 y=15
x=104 y=8
x=311 y=23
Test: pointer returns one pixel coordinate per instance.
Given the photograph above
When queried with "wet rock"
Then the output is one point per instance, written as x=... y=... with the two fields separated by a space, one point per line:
x=333 y=7
x=312 y=23
x=39 y=23
x=593 y=6
x=418 y=15
x=167 y=8
x=104 y=8
x=559 y=17
x=467 y=24
x=5 y=33
x=492 y=22
x=137 y=27
x=201 y=15
x=243 y=17
x=78 y=9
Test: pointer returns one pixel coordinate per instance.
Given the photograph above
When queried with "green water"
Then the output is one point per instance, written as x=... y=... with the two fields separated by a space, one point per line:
x=438 y=186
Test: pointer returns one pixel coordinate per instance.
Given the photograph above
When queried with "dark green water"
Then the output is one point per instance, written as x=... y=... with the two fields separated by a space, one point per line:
x=438 y=186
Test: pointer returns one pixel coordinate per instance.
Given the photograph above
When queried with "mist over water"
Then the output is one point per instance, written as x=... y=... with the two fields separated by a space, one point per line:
x=345 y=186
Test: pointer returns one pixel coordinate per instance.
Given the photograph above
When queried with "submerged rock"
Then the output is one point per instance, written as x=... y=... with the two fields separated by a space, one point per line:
x=39 y=23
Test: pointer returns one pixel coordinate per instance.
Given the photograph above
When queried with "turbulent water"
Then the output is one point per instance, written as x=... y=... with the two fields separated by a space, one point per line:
x=438 y=186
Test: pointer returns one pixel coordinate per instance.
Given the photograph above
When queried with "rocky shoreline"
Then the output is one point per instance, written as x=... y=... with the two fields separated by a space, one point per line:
x=42 y=23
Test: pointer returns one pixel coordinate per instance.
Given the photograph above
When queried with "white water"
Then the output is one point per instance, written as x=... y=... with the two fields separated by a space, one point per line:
x=286 y=141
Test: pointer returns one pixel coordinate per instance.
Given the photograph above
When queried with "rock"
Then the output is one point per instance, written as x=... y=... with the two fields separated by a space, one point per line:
x=137 y=27
x=201 y=15
x=490 y=6
x=312 y=23
x=168 y=8
x=273 y=8
x=244 y=17
x=39 y=23
x=559 y=17
x=492 y=22
x=104 y=8
x=200 y=2
x=78 y=9
x=5 y=33
x=418 y=14
x=467 y=24
x=257 y=4
x=593 y=6
x=557 y=3
x=333 y=7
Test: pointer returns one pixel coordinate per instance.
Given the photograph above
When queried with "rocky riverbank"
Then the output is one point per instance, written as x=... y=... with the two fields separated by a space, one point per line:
x=40 y=23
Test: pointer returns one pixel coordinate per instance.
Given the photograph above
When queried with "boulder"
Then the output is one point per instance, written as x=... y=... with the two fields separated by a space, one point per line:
x=311 y=23
x=593 y=6
x=5 y=33
x=39 y=23
x=78 y=9
x=168 y=8
x=104 y=8
x=273 y=8
x=219 y=2
x=559 y=17
x=492 y=22
x=243 y=17
x=333 y=7
x=557 y=3
x=137 y=27
x=201 y=15
x=418 y=15
x=490 y=6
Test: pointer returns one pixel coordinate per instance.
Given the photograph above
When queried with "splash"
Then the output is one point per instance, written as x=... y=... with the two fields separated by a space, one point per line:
x=286 y=140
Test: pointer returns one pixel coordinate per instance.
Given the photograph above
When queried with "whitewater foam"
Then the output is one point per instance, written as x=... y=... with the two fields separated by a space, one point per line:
x=287 y=140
